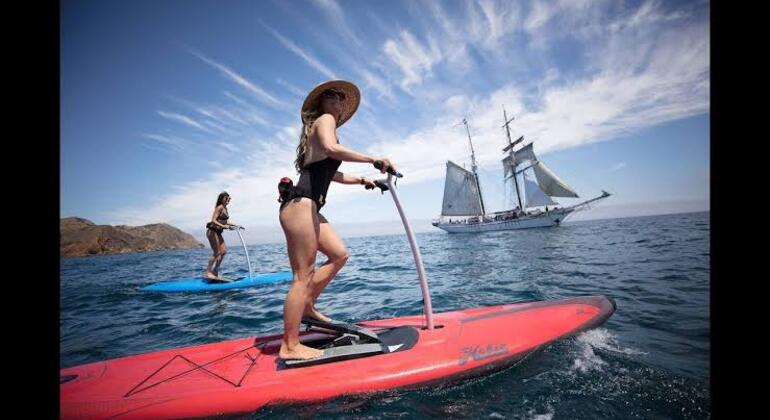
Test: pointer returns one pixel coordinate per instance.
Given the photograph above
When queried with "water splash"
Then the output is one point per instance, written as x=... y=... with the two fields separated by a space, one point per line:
x=546 y=416
x=601 y=339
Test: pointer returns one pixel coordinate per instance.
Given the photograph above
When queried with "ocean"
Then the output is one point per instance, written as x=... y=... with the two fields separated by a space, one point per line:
x=650 y=360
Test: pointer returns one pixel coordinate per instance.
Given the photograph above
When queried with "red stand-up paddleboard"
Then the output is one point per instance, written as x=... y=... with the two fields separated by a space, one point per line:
x=240 y=376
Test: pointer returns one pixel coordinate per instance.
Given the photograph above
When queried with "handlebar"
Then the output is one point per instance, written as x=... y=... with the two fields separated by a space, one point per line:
x=378 y=164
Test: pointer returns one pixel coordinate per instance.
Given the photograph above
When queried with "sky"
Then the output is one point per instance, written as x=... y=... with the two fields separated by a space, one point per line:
x=166 y=104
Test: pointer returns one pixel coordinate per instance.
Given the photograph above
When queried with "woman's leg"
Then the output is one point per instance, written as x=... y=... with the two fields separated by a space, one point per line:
x=299 y=221
x=337 y=255
x=214 y=242
x=221 y=254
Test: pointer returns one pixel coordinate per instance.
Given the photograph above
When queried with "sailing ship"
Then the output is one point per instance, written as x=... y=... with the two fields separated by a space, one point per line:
x=463 y=208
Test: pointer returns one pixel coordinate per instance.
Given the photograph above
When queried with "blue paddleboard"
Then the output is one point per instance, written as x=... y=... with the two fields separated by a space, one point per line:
x=198 y=284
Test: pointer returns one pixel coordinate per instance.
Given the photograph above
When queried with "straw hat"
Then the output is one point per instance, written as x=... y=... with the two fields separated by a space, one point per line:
x=352 y=97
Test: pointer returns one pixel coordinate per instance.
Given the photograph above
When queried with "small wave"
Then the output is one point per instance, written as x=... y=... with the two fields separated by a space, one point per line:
x=588 y=361
x=546 y=416
x=601 y=338
x=674 y=277
x=384 y=268
x=575 y=274
x=600 y=264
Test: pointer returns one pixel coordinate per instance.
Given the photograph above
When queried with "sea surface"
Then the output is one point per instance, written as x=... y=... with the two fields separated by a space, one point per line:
x=650 y=360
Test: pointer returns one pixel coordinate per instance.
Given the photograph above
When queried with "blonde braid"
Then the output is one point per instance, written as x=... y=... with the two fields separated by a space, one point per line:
x=308 y=118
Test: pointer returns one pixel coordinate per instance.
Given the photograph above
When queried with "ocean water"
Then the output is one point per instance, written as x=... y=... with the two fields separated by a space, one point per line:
x=650 y=360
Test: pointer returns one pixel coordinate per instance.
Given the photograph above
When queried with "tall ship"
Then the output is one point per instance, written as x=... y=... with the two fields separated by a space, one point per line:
x=463 y=208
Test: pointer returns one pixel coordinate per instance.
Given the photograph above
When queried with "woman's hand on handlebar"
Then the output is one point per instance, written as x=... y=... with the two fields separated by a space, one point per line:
x=368 y=183
x=386 y=163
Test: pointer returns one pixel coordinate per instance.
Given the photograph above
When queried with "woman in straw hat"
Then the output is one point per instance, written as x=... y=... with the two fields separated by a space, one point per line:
x=319 y=154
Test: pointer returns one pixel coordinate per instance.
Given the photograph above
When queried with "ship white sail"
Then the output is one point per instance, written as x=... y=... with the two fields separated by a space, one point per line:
x=550 y=183
x=461 y=194
x=535 y=196
x=546 y=179
x=509 y=166
x=524 y=154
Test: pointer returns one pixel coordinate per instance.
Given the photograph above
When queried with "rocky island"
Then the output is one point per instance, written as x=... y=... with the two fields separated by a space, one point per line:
x=81 y=237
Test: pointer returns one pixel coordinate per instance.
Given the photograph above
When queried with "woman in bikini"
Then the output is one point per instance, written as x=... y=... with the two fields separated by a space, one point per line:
x=214 y=230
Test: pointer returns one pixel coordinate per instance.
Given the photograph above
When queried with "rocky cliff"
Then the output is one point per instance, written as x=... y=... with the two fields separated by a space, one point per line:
x=83 y=237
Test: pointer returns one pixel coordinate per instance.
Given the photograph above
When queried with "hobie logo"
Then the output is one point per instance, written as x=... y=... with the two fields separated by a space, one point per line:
x=480 y=353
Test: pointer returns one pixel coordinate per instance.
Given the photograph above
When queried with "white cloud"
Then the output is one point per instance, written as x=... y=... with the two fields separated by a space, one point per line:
x=337 y=17
x=306 y=56
x=229 y=146
x=220 y=119
x=260 y=93
x=616 y=167
x=175 y=143
x=377 y=83
x=672 y=84
x=414 y=59
x=252 y=186
x=540 y=13
x=644 y=70
x=501 y=19
x=219 y=127
x=182 y=119
x=248 y=112
x=291 y=88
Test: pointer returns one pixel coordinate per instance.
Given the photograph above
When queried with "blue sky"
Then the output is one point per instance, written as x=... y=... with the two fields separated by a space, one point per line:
x=165 y=104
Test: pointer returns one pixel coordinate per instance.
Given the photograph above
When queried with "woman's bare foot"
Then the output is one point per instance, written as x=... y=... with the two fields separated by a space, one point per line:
x=300 y=351
x=312 y=312
x=210 y=275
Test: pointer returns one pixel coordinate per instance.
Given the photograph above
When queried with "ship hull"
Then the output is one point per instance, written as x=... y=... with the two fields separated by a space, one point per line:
x=549 y=219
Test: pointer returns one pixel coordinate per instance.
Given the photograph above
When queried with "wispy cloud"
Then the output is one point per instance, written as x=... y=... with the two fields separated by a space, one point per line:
x=413 y=58
x=306 y=56
x=175 y=143
x=450 y=40
x=211 y=119
x=361 y=63
x=337 y=17
x=221 y=128
x=379 y=84
x=182 y=119
x=291 y=88
x=667 y=81
x=253 y=114
x=251 y=186
x=258 y=92
x=229 y=146
x=539 y=14
x=616 y=167
x=490 y=22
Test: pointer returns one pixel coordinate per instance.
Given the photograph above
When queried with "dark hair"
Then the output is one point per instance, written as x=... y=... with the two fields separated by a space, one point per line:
x=221 y=198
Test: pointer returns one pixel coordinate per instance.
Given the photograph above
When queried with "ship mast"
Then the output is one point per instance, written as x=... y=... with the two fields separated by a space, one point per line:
x=510 y=150
x=475 y=174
